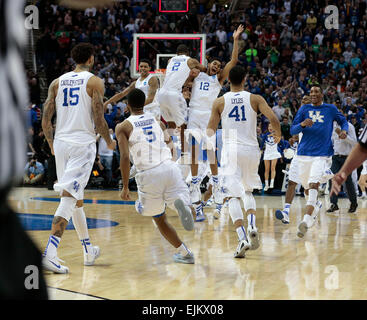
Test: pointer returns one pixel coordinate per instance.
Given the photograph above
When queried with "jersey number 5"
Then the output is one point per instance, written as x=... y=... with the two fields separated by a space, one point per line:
x=235 y=113
x=71 y=97
x=148 y=131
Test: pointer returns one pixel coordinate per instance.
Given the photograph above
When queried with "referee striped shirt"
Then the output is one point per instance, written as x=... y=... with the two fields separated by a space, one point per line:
x=363 y=137
x=14 y=92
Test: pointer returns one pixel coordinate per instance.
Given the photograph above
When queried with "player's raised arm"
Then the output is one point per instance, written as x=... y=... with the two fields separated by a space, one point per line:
x=260 y=105
x=123 y=131
x=48 y=112
x=234 y=59
x=118 y=96
x=96 y=85
x=153 y=87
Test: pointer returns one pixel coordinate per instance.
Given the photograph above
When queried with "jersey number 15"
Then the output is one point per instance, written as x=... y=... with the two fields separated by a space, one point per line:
x=71 y=96
x=236 y=114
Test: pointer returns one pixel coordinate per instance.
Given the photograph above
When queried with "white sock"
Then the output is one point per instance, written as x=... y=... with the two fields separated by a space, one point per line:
x=81 y=227
x=241 y=233
x=182 y=249
x=80 y=223
x=266 y=183
x=272 y=182
x=287 y=207
x=194 y=179
x=251 y=219
x=363 y=193
x=51 y=248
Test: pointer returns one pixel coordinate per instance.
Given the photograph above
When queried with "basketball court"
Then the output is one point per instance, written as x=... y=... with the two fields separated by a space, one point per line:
x=136 y=262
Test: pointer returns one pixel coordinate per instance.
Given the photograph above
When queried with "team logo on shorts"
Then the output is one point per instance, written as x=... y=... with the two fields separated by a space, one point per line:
x=76 y=186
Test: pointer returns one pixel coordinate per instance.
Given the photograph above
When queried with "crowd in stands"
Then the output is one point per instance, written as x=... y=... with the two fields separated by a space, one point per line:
x=286 y=47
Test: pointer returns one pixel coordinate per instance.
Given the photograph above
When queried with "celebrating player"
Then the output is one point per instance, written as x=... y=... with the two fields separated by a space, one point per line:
x=77 y=98
x=158 y=178
x=241 y=154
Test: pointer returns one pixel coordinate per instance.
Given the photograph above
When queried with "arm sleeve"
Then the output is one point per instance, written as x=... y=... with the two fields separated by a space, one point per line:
x=296 y=127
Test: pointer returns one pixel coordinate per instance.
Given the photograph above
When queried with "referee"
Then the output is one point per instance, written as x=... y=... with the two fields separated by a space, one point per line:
x=18 y=254
x=342 y=148
x=353 y=161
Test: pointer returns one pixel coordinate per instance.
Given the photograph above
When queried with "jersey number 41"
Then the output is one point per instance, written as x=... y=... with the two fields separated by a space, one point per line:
x=235 y=113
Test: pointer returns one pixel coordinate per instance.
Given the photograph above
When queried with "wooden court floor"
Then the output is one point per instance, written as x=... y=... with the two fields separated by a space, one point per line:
x=136 y=262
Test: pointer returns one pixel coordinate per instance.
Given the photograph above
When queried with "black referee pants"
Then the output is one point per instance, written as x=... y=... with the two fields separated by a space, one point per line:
x=17 y=254
x=336 y=165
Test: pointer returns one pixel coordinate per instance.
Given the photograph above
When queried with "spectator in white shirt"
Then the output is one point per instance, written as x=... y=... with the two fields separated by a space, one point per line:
x=298 y=55
x=221 y=34
x=342 y=148
x=278 y=109
x=347 y=54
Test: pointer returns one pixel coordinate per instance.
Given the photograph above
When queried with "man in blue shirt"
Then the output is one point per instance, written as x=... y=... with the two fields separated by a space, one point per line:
x=315 y=121
x=34 y=172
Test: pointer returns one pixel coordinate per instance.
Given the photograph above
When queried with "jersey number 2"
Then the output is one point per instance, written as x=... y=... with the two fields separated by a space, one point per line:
x=176 y=66
x=71 y=97
x=235 y=113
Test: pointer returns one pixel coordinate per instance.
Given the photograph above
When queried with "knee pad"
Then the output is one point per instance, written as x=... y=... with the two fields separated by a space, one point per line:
x=312 y=197
x=249 y=201
x=235 y=210
x=66 y=208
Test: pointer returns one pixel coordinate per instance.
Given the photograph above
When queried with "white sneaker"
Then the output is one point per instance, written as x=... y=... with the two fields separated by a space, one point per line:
x=266 y=188
x=253 y=236
x=282 y=215
x=217 y=211
x=53 y=264
x=315 y=212
x=210 y=202
x=242 y=247
x=195 y=192
x=90 y=257
x=217 y=193
x=304 y=225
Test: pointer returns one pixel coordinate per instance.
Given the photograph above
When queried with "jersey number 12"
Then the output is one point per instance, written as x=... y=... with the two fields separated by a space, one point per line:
x=236 y=114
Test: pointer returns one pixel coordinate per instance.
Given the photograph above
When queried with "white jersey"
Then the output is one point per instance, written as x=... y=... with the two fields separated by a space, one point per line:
x=143 y=85
x=239 y=120
x=176 y=73
x=205 y=90
x=74 y=122
x=146 y=142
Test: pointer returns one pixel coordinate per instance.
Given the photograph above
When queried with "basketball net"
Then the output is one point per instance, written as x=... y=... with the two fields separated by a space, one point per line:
x=160 y=73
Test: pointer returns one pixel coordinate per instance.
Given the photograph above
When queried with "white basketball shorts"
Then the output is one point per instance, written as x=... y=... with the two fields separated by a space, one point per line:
x=240 y=165
x=161 y=186
x=312 y=169
x=74 y=164
x=173 y=106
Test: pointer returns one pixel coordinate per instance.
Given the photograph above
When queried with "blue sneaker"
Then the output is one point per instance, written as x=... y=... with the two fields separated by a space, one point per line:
x=282 y=215
x=188 y=259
